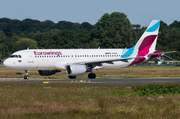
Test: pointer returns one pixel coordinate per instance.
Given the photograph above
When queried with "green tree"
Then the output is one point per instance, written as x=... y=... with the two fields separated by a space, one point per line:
x=86 y=26
x=4 y=51
x=44 y=41
x=24 y=43
x=173 y=42
x=66 y=25
x=82 y=38
x=175 y=24
x=114 y=31
x=2 y=36
x=4 y=42
x=1 y=51
x=65 y=39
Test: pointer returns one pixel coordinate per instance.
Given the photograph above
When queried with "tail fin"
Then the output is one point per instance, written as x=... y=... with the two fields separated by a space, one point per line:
x=147 y=43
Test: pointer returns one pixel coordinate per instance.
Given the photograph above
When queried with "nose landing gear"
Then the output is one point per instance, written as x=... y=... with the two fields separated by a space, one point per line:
x=26 y=76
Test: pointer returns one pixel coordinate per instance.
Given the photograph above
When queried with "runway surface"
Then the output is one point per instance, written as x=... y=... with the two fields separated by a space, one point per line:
x=94 y=81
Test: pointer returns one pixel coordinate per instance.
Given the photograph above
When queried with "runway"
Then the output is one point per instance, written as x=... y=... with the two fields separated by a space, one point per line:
x=95 y=81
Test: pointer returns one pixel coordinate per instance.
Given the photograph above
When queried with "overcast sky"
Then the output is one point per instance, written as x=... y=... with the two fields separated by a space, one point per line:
x=138 y=11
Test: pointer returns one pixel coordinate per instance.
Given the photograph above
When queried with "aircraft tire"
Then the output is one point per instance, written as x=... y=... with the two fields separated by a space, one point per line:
x=91 y=75
x=72 y=77
x=26 y=77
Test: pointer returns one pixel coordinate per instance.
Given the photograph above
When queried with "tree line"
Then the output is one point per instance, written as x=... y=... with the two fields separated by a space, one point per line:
x=111 y=31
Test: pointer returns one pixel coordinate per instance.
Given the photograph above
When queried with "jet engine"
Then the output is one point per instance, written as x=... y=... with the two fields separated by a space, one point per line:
x=47 y=72
x=74 y=70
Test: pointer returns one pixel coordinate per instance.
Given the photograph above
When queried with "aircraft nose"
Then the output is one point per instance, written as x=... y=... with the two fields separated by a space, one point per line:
x=6 y=63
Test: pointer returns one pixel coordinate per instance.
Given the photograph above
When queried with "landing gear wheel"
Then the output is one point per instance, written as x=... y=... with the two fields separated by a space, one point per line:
x=91 y=75
x=72 y=77
x=26 y=77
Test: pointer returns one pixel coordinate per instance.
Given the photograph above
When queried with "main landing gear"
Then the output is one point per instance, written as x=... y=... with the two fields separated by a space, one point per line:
x=26 y=76
x=91 y=75
x=72 y=77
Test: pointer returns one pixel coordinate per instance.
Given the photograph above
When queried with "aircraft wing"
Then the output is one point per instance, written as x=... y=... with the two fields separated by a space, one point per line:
x=109 y=61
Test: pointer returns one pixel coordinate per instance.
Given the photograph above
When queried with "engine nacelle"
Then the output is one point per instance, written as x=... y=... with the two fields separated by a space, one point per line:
x=47 y=72
x=74 y=70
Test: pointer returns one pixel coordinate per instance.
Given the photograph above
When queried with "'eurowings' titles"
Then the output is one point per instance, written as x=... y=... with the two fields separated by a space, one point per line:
x=48 y=53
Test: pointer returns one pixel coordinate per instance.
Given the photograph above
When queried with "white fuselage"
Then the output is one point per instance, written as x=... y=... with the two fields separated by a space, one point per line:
x=52 y=59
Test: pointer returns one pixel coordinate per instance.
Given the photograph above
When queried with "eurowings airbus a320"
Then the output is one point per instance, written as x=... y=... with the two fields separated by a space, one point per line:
x=79 y=61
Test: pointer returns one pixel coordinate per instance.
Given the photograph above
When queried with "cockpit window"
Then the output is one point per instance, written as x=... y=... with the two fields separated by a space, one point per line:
x=15 y=56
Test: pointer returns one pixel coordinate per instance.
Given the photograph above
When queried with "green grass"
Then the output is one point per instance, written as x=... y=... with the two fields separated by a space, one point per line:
x=79 y=101
x=149 y=90
x=127 y=72
x=2 y=66
x=72 y=101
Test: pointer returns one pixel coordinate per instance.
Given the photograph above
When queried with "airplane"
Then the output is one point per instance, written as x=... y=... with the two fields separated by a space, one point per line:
x=79 y=61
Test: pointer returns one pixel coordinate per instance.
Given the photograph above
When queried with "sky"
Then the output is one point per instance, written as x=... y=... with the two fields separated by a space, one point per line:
x=138 y=11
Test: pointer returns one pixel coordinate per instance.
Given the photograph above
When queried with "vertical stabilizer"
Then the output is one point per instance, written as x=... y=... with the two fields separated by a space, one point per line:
x=147 y=43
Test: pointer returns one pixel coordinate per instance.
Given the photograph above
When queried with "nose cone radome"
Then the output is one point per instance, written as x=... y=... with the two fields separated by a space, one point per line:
x=7 y=63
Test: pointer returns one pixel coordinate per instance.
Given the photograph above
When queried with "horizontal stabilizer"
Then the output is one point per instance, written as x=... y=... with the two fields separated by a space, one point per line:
x=162 y=53
x=169 y=52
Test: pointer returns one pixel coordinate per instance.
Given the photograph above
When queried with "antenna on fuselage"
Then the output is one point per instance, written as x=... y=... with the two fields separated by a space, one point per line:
x=98 y=47
x=28 y=48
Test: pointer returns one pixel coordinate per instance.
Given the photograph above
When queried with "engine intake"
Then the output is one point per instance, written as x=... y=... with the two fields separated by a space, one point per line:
x=47 y=72
x=74 y=70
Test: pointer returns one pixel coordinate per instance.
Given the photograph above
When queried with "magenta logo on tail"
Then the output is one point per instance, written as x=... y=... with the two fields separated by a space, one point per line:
x=144 y=49
x=146 y=44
